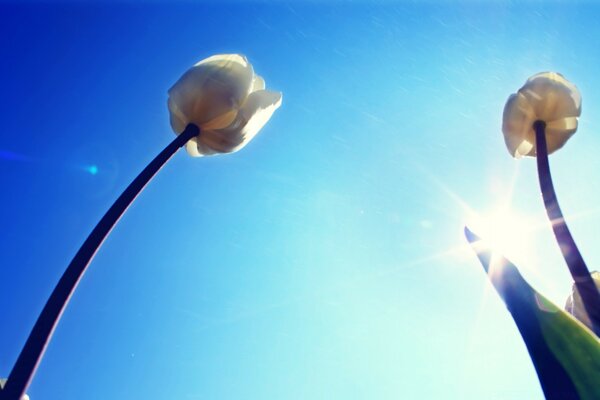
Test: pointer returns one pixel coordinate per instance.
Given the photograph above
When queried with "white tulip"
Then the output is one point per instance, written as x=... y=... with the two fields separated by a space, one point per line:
x=225 y=99
x=547 y=97
x=3 y=383
x=217 y=106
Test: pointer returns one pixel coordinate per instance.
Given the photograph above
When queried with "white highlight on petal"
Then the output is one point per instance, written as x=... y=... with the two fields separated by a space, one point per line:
x=258 y=84
x=258 y=110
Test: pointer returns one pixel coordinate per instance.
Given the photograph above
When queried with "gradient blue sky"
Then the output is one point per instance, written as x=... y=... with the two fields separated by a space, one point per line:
x=325 y=260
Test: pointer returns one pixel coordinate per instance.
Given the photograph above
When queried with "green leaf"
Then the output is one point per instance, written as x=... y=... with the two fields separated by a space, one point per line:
x=565 y=353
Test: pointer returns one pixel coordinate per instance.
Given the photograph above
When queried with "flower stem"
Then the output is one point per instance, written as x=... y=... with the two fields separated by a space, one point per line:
x=40 y=335
x=584 y=283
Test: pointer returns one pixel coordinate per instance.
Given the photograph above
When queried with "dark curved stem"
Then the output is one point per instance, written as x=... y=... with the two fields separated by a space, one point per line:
x=579 y=271
x=34 y=348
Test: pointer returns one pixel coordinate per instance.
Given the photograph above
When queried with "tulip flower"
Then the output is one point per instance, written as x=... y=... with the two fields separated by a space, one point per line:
x=217 y=106
x=223 y=97
x=565 y=353
x=564 y=348
x=538 y=120
x=547 y=97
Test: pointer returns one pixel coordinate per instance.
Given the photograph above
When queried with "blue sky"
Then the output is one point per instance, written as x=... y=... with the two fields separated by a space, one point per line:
x=324 y=260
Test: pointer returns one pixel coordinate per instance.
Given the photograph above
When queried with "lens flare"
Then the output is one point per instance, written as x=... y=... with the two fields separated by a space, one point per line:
x=92 y=169
x=506 y=233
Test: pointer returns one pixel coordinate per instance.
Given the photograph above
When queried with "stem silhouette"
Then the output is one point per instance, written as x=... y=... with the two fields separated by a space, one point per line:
x=33 y=351
x=584 y=282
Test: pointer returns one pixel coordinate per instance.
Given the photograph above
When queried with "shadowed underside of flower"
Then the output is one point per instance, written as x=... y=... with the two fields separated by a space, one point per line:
x=565 y=354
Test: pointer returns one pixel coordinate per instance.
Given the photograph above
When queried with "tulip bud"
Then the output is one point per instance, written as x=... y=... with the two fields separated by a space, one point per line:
x=574 y=304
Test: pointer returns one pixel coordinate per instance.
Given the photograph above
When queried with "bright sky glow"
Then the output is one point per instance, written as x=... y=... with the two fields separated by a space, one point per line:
x=324 y=260
x=507 y=233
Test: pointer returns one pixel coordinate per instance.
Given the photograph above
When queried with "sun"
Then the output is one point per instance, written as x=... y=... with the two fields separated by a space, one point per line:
x=505 y=232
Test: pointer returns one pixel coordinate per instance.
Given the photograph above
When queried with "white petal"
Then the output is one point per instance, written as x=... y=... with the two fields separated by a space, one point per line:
x=222 y=121
x=562 y=125
x=225 y=59
x=552 y=97
x=258 y=84
x=517 y=126
x=218 y=141
x=252 y=117
x=559 y=79
x=192 y=148
x=177 y=119
x=558 y=132
x=258 y=109
x=233 y=71
x=196 y=148
x=525 y=148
